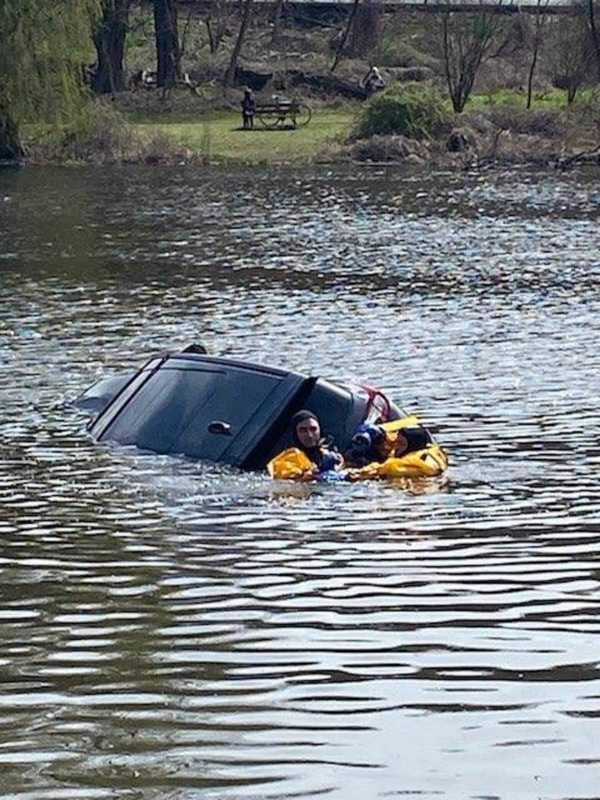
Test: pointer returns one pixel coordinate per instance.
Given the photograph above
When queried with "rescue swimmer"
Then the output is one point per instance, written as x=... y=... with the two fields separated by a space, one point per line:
x=313 y=458
x=398 y=449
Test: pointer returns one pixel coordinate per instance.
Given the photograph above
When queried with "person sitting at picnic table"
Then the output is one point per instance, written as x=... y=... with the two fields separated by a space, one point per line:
x=373 y=82
x=248 y=109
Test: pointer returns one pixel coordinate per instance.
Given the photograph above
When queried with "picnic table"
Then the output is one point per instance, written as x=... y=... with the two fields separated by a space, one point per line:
x=283 y=113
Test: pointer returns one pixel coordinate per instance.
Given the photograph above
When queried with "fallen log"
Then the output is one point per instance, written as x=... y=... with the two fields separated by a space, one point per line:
x=251 y=78
x=326 y=84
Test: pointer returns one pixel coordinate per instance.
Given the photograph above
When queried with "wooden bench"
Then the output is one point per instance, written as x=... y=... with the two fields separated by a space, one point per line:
x=281 y=113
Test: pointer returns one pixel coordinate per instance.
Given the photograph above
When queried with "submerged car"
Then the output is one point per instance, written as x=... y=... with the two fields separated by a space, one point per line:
x=224 y=410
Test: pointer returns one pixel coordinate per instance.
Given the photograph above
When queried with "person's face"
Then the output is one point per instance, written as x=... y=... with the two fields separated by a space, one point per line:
x=308 y=432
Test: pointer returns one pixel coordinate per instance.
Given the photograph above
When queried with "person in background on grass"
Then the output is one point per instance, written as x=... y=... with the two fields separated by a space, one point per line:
x=248 y=109
x=373 y=81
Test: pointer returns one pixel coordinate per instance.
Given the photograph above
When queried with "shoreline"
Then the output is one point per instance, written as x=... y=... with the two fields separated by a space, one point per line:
x=216 y=139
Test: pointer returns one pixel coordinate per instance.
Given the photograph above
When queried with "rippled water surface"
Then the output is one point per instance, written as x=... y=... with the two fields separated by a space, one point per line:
x=175 y=630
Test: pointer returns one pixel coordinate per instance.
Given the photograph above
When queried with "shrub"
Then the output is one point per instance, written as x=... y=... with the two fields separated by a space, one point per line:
x=102 y=135
x=387 y=148
x=394 y=52
x=99 y=134
x=544 y=122
x=587 y=108
x=416 y=110
x=410 y=74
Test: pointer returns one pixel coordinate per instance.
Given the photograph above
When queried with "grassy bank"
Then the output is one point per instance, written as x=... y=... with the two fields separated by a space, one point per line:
x=218 y=138
x=497 y=125
x=495 y=129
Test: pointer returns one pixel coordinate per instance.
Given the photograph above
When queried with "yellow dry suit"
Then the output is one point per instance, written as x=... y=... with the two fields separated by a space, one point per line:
x=292 y=464
x=429 y=461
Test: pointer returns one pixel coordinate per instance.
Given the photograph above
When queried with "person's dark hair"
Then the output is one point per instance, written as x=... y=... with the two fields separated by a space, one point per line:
x=195 y=348
x=417 y=438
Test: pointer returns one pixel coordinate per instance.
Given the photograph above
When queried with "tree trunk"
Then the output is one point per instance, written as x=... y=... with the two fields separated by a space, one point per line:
x=531 y=74
x=534 y=57
x=109 y=39
x=10 y=145
x=167 y=42
x=595 y=33
x=183 y=41
x=229 y=75
x=365 y=31
x=447 y=61
x=277 y=14
x=212 y=41
x=465 y=44
x=342 y=43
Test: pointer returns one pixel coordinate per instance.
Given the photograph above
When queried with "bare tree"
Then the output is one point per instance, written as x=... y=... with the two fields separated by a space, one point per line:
x=183 y=39
x=539 y=22
x=235 y=53
x=467 y=39
x=216 y=21
x=109 y=39
x=168 y=54
x=570 y=55
x=366 y=28
x=277 y=16
x=594 y=30
x=344 y=37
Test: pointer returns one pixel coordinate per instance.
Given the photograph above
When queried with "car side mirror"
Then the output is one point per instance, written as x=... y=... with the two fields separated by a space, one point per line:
x=219 y=428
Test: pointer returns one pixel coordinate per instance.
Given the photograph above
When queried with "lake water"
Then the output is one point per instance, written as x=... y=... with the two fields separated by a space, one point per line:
x=171 y=630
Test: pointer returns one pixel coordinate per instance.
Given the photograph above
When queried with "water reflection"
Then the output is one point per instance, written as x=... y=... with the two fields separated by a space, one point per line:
x=171 y=629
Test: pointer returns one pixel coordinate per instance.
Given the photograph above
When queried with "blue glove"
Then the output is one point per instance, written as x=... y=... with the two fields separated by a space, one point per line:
x=366 y=436
x=329 y=461
x=331 y=476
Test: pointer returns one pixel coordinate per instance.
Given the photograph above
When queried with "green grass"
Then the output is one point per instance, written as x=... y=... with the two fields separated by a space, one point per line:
x=554 y=99
x=217 y=138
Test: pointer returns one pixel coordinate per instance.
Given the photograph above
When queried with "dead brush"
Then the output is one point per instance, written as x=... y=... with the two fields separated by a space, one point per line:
x=387 y=148
x=103 y=136
x=549 y=123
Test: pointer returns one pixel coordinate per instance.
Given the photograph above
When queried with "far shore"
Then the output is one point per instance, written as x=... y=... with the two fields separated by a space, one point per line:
x=495 y=135
x=545 y=136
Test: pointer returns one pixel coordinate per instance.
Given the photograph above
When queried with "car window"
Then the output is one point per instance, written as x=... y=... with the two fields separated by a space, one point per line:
x=172 y=411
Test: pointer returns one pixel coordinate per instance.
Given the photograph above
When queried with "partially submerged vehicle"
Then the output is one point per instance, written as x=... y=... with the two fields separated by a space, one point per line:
x=227 y=411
